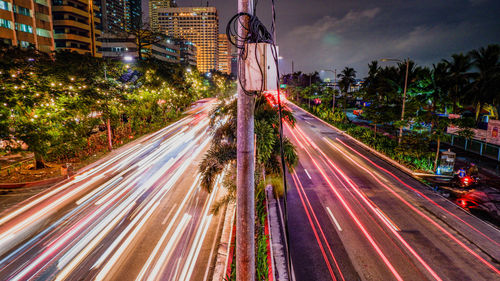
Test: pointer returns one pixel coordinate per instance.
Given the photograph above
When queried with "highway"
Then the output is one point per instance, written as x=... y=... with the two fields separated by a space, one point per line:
x=353 y=216
x=138 y=214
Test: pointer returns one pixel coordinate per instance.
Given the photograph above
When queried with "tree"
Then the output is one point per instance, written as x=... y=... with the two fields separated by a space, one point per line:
x=143 y=36
x=223 y=149
x=434 y=100
x=347 y=78
x=458 y=78
x=487 y=78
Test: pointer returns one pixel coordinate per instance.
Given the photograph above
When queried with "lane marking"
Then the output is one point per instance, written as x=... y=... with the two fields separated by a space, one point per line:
x=307 y=174
x=387 y=219
x=334 y=219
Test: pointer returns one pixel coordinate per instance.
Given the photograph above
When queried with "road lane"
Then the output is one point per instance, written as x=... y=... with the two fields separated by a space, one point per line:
x=139 y=214
x=389 y=231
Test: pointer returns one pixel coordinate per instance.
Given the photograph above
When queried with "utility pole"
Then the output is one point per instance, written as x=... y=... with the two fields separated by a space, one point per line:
x=108 y=120
x=407 y=62
x=334 y=85
x=245 y=205
x=404 y=102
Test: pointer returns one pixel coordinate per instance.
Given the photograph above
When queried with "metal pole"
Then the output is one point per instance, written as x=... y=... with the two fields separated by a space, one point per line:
x=404 y=101
x=334 y=85
x=245 y=214
x=310 y=93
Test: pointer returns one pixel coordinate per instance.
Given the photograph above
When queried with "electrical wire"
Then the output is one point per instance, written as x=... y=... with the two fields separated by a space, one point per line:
x=256 y=32
x=282 y=154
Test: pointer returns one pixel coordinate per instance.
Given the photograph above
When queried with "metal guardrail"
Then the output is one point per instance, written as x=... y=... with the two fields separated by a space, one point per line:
x=480 y=147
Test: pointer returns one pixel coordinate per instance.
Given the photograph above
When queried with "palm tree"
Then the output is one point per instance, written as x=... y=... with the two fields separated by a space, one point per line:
x=487 y=78
x=458 y=77
x=223 y=149
x=347 y=78
x=434 y=98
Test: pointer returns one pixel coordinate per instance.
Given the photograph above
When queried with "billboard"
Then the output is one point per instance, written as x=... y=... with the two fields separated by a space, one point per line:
x=492 y=135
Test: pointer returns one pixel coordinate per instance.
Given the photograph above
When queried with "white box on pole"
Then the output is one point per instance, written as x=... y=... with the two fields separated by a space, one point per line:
x=260 y=65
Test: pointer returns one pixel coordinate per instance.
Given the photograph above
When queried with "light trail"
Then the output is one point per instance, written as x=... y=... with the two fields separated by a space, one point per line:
x=447 y=233
x=349 y=210
x=107 y=268
x=378 y=213
x=128 y=189
x=301 y=192
x=167 y=230
x=201 y=233
x=419 y=193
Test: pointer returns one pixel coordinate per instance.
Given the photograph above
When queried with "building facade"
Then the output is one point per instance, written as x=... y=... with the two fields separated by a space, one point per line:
x=199 y=25
x=125 y=48
x=154 y=6
x=118 y=16
x=76 y=26
x=27 y=23
x=224 y=54
x=188 y=52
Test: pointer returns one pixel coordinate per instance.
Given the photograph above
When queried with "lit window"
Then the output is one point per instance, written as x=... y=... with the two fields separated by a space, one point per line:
x=24 y=27
x=5 y=23
x=43 y=32
x=5 y=5
x=22 y=11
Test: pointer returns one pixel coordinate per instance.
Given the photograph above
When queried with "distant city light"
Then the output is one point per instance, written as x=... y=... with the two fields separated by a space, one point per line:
x=128 y=58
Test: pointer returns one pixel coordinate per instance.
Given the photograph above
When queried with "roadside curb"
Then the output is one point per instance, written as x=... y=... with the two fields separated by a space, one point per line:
x=223 y=252
x=39 y=183
x=278 y=249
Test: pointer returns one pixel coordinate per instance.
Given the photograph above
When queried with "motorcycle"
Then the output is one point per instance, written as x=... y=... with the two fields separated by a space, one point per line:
x=467 y=181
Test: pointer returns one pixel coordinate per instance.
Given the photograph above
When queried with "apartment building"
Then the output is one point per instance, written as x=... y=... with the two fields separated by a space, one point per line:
x=27 y=23
x=76 y=26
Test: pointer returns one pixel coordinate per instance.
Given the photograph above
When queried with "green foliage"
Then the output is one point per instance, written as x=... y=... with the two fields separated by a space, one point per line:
x=223 y=124
x=55 y=104
x=276 y=181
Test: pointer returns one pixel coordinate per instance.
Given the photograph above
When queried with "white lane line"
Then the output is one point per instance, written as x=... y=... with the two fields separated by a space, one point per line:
x=307 y=174
x=167 y=217
x=334 y=219
x=387 y=220
x=308 y=122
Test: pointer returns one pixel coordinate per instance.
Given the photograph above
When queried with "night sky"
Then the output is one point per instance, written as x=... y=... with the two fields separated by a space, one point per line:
x=327 y=34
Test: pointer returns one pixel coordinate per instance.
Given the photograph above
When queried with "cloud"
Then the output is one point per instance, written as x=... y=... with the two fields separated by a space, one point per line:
x=327 y=23
x=362 y=36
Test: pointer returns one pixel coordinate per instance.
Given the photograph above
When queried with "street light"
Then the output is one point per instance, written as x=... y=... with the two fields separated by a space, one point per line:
x=407 y=62
x=334 y=83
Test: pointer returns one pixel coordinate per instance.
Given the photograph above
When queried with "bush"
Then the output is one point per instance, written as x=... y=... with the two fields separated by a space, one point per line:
x=276 y=181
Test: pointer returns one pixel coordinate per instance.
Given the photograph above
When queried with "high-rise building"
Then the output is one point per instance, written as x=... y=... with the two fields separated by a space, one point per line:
x=234 y=60
x=27 y=23
x=154 y=6
x=76 y=26
x=224 y=54
x=188 y=52
x=199 y=25
x=133 y=13
x=118 y=16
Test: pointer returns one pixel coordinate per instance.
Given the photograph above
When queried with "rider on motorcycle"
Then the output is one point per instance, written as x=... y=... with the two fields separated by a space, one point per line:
x=473 y=170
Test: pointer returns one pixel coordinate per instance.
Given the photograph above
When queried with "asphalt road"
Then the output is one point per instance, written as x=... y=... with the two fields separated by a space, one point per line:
x=353 y=216
x=138 y=214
